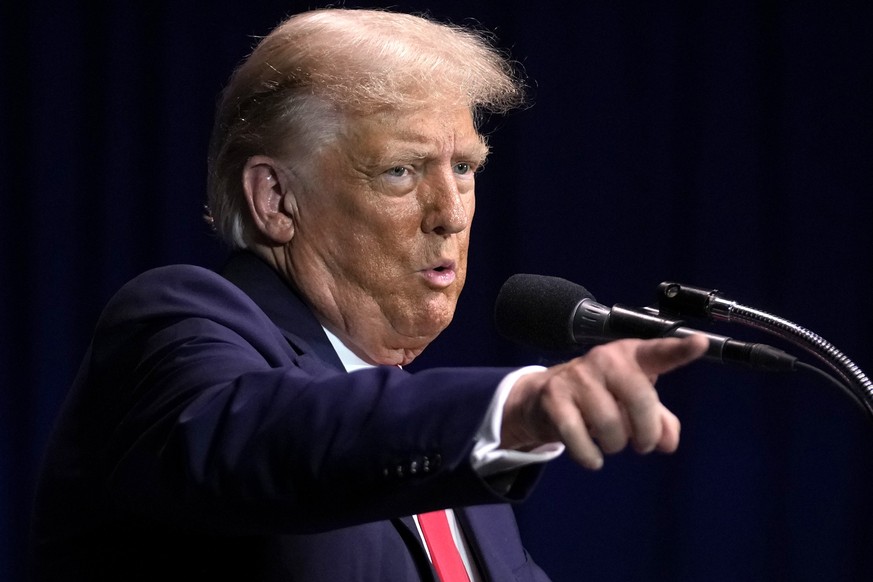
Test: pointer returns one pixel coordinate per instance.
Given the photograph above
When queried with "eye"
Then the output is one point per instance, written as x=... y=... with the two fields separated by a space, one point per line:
x=398 y=171
x=464 y=168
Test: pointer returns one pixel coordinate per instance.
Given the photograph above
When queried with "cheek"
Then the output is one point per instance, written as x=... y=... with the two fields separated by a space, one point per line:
x=377 y=242
x=392 y=225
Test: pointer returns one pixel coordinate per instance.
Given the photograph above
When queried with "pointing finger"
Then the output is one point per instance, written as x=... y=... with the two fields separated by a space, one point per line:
x=666 y=354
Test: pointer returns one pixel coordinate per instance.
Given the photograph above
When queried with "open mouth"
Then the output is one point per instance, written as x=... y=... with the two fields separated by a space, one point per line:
x=443 y=267
x=441 y=275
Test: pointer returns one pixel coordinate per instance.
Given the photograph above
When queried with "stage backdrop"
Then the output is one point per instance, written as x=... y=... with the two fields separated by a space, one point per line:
x=719 y=144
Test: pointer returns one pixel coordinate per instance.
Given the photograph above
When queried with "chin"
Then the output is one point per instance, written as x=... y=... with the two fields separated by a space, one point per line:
x=420 y=331
x=438 y=314
x=417 y=322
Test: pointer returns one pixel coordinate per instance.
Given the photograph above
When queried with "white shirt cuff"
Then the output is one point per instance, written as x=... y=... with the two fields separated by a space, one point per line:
x=487 y=457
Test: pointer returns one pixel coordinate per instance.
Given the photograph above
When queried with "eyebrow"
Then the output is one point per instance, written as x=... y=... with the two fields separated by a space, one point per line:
x=413 y=149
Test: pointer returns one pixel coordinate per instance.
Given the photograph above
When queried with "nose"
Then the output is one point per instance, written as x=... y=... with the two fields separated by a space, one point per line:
x=446 y=209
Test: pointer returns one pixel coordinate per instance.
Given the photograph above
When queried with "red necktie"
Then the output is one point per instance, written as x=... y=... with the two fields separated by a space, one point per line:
x=443 y=551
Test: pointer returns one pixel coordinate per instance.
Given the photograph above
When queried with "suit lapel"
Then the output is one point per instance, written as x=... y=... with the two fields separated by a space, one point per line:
x=280 y=301
x=406 y=527
x=493 y=539
x=472 y=528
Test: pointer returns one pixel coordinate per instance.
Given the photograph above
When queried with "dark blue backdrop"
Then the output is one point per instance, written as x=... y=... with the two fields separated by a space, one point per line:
x=721 y=144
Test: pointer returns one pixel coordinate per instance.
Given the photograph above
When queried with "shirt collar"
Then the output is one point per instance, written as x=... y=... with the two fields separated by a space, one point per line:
x=350 y=360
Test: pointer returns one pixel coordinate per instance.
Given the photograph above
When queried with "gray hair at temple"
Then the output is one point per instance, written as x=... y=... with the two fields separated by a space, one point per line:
x=289 y=97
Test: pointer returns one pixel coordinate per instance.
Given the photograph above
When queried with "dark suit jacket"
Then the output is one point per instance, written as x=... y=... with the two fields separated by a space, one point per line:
x=213 y=433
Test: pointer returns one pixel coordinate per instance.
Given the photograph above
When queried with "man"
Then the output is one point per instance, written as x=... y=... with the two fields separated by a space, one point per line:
x=257 y=425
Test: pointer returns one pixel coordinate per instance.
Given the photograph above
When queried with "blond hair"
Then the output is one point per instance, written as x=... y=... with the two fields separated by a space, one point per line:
x=286 y=99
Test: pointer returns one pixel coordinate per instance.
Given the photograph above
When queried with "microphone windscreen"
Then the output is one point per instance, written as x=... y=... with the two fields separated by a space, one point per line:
x=537 y=310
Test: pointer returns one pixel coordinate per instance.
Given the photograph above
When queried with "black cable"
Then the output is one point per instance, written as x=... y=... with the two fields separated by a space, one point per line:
x=848 y=391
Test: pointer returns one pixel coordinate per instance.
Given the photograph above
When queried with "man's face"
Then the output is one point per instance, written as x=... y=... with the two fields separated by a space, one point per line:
x=382 y=229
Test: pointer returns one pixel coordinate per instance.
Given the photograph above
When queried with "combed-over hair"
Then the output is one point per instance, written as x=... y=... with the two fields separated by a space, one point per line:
x=287 y=98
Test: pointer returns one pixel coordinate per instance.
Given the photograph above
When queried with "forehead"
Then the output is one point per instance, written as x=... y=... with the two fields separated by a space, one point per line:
x=425 y=133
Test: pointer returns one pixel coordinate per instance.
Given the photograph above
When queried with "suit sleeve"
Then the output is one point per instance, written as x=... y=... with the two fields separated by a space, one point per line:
x=208 y=417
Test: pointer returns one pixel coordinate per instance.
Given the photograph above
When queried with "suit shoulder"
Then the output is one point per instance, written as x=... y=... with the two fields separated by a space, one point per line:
x=182 y=291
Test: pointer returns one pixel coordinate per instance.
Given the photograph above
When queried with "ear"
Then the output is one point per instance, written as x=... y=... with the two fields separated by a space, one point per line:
x=270 y=198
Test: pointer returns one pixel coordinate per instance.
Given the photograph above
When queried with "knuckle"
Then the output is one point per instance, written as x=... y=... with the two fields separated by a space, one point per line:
x=606 y=424
x=642 y=401
x=611 y=435
x=606 y=355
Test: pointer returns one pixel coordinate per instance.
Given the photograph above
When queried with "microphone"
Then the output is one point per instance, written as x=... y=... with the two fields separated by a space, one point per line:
x=558 y=315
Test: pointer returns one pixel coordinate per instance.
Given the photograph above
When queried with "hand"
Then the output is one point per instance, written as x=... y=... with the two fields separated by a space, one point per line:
x=598 y=402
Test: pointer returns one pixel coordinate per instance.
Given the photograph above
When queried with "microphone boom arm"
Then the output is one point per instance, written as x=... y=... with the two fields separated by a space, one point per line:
x=675 y=299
